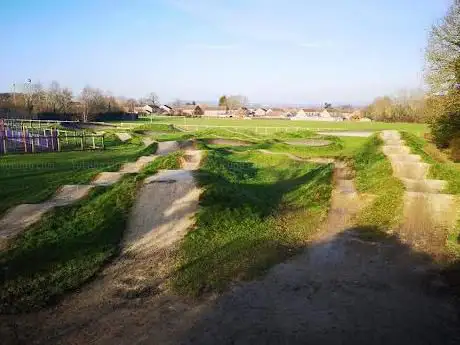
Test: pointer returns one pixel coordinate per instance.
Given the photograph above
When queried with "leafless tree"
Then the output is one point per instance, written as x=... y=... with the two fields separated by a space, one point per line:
x=236 y=101
x=131 y=104
x=93 y=102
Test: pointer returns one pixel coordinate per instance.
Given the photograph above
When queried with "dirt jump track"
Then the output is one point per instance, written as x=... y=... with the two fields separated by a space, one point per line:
x=340 y=290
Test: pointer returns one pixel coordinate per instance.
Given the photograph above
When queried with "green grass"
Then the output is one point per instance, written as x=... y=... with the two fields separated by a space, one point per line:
x=256 y=211
x=374 y=175
x=31 y=178
x=416 y=128
x=439 y=170
x=69 y=245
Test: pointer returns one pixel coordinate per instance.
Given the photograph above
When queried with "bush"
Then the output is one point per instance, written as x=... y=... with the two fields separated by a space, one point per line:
x=446 y=126
x=455 y=149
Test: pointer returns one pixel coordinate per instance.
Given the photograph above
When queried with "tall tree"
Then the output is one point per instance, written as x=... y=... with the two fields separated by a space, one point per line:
x=443 y=51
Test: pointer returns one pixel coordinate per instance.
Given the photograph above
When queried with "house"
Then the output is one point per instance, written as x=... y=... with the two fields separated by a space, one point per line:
x=215 y=111
x=166 y=109
x=146 y=109
x=242 y=112
x=190 y=110
x=260 y=112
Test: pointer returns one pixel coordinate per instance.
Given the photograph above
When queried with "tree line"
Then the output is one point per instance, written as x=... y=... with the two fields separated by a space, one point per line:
x=34 y=100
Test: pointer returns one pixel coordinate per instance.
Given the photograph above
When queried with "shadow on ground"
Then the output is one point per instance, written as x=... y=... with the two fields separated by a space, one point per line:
x=340 y=291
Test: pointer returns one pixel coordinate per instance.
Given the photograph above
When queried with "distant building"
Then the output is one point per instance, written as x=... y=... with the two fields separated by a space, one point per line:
x=260 y=112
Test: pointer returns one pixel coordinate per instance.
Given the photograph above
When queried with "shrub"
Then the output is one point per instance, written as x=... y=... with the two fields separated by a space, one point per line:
x=455 y=149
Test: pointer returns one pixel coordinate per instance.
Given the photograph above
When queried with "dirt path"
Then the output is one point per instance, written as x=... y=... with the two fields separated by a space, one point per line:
x=340 y=290
x=429 y=214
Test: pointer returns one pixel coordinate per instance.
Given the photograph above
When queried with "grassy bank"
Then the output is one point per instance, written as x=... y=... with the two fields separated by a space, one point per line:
x=441 y=167
x=31 y=178
x=256 y=210
x=69 y=245
x=374 y=175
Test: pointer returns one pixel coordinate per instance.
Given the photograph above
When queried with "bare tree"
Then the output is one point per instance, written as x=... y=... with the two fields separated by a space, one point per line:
x=152 y=98
x=65 y=100
x=236 y=101
x=131 y=104
x=52 y=96
x=93 y=101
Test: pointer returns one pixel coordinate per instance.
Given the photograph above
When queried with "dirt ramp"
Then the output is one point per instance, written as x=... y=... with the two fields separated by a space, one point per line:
x=428 y=214
x=166 y=147
x=163 y=211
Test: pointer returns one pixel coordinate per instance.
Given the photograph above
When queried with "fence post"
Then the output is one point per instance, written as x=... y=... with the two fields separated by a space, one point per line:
x=32 y=143
x=103 y=141
x=24 y=138
x=82 y=145
x=94 y=144
x=58 y=144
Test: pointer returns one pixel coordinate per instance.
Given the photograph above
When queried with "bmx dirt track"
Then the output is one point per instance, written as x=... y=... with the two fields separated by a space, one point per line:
x=340 y=290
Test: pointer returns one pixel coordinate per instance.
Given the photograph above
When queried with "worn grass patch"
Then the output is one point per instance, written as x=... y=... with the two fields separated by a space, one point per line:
x=256 y=210
x=70 y=244
x=374 y=175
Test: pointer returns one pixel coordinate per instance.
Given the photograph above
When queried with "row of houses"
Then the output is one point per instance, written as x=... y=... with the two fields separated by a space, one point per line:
x=246 y=112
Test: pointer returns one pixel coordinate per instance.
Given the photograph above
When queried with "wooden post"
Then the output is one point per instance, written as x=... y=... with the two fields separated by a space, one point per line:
x=94 y=144
x=24 y=138
x=103 y=141
x=33 y=143
x=82 y=145
x=52 y=139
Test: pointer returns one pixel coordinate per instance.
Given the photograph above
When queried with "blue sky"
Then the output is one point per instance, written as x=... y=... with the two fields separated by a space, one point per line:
x=272 y=51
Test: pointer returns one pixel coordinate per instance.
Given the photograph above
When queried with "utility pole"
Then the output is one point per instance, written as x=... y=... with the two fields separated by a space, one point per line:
x=14 y=95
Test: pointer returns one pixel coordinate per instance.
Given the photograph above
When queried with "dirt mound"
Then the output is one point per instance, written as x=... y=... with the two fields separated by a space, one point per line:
x=165 y=147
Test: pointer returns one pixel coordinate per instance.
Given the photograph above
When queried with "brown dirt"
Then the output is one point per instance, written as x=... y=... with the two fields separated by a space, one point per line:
x=428 y=214
x=340 y=290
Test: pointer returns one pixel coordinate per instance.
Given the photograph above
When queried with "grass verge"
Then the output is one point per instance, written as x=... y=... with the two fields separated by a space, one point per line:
x=70 y=244
x=256 y=211
x=441 y=168
x=374 y=175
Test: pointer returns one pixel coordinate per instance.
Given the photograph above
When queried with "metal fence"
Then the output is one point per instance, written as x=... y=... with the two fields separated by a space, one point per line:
x=28 y=140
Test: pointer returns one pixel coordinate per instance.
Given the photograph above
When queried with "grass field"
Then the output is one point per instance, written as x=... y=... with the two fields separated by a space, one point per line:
x=31 y=178
x=374 y=176
x=256 y=210
x=70 y=244
x=416 y=128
